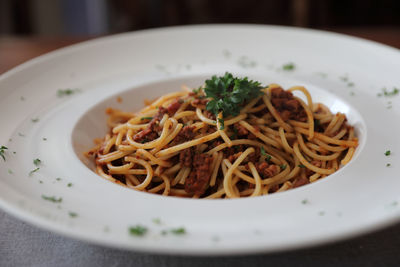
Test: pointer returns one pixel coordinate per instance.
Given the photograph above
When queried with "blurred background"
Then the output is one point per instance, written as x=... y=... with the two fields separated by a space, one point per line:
x=55 y=23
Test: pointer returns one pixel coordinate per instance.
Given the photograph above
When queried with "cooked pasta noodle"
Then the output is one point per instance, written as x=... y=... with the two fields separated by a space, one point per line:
x=176 y=147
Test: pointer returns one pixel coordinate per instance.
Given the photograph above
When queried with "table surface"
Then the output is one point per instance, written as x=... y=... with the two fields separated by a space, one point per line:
x=24 y=245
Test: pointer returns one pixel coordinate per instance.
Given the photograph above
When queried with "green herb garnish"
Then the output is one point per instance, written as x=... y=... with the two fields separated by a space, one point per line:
x=228 y=94
x=35 y=120
x=44 y=139
x=301 y=166
x=178 y=231
x=33 y=171
x=263 y=151
x=221 y=124
x=388 y=164
x=385 y=92
x=52 y=199
x=283 y=166
x=304 y=201
x=72 y=214
x=66 y=92
x=37 y=162
x=289 y=66
x=146 y=118
x=138 y=230
x=2 y=151
x=268 y=158
x=10 y=171
x=387 y=153
x=69 y=184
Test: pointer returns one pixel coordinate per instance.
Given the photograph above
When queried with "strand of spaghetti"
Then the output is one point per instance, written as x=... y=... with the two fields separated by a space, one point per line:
x=164 y=98
x=167 y=185
x=287 y=185
x=111 y=156
x=311 y=153
x=109 y=144
x=276 y=115
x=246 y=192
x=185 y=175
x=305 y=92
x=204 y=118
x=250 y=105
x=152 y=158
x=338 y=124
x=120 y=135
x=184 y=114
x=214 y=173
x=350 y=152
x=238 y=173
x=100 y=172
x=322 y=137
x=285 y=143
x=307 y=164
x=310 y=117
x=275 y=132
x=256 y=109
x=332 y=123
x=340 y=134
x=131 y=171
x=122 y=168
x=179 y=192
x=131 y=180
x=221 y=130
x=258 y=134
x=220 y=191
x=235 y=119
x=168 y=139
x=153 y=143
x=228 y=177
x=173 y=169
x=316 y=147
x=265 y=190
x=157 y=188
x=257 y=189
x=314 y=177
x=328 y=147
x=148 y=168
x=187 y=144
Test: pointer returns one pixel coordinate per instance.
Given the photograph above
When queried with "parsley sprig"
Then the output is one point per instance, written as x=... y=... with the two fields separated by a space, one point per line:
x=228 y=94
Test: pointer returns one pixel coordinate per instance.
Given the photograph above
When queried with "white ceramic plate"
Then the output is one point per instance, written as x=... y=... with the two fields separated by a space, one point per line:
x=345 y=73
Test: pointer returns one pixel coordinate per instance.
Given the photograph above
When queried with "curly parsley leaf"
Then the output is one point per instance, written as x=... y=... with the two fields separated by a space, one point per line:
x=228 y=93
x=52 y=199
x=37 y=162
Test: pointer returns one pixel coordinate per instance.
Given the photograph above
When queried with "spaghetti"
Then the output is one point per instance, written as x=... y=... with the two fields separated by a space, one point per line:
x=176 y=146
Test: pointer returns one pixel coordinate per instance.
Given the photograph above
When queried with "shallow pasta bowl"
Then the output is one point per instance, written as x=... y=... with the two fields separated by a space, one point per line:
x=53 y=108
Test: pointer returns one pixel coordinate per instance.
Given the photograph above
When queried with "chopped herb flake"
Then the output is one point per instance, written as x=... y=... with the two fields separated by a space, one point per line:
x=263 y=151
x=58 y=179
x=301 y=166
x=72 y=214
x=387 y=153
x=33 y=171
x=304 y=201
x=268 y=158
x=221 y=124
x=388 y=164
x=321 y=213
x=146 y=118
x=21 y=134
x=288 y=66
x=178 y=231
x=10 y=171
x=283 y=166
x=35 y=120
x=2 y=151
x=138 y=230
x=52 y=199
x=44 y=139
x=66 y=92
x=37 y=162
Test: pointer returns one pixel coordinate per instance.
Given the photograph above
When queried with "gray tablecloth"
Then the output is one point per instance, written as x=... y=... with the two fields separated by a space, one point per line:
x=24 y=245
